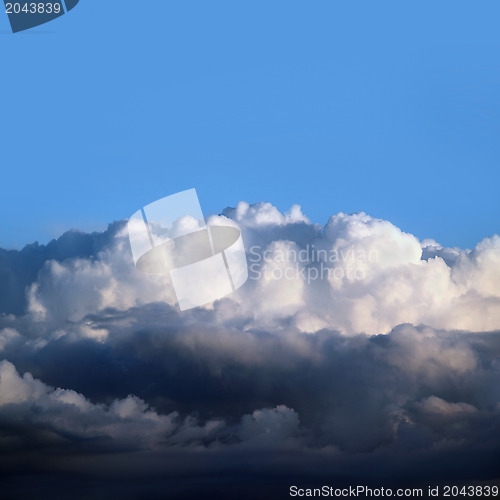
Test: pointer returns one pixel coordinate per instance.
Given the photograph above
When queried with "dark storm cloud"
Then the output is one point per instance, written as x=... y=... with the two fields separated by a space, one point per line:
x=285 y=381
x=346 y=396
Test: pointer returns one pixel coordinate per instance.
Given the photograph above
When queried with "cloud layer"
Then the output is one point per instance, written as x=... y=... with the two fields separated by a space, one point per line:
x=353 y=347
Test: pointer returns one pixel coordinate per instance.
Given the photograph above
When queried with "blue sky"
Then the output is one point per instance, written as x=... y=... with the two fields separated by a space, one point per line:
x=387 y=107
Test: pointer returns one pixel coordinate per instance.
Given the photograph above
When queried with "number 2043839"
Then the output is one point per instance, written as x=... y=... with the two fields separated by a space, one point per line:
x=32 y=8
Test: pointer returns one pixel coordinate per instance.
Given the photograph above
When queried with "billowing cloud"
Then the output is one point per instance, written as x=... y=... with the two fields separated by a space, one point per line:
x=357 y=274
x=352 y=347
x=62 y=414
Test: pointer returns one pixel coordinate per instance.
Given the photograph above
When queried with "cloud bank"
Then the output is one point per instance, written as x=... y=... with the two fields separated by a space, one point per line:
x=353 y=352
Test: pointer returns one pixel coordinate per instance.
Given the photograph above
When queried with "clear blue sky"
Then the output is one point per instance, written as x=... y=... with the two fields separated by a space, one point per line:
x=389 y=107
